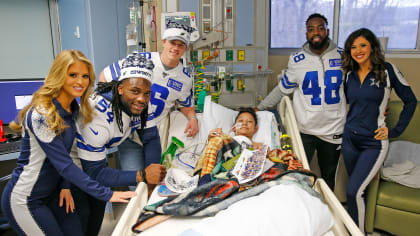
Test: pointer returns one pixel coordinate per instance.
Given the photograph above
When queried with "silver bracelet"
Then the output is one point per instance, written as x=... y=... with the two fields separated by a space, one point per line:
x=193 y=117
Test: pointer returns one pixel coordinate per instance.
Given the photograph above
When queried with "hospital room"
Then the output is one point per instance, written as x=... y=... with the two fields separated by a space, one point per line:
x=210 y=117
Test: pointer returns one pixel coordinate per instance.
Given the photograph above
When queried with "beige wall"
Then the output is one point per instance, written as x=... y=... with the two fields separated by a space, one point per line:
x=410 y=67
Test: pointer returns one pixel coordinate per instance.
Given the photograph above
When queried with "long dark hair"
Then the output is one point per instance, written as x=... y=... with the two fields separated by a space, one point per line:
x=117 y=106
x=376 y=56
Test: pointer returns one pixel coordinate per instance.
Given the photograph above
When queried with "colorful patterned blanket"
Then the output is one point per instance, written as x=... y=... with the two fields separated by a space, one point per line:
x=219 y=188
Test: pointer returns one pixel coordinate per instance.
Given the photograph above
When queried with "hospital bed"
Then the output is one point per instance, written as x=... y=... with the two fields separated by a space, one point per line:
x=343 y=224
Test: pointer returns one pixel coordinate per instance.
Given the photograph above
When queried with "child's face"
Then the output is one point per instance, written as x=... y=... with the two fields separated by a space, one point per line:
x=245 y=125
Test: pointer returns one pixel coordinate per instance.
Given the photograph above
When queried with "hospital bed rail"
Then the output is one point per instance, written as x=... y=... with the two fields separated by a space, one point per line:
x=344 y=225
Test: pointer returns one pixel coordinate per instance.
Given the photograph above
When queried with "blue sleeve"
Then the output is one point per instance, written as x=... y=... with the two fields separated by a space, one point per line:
x=403 y=91
x=151 y=145
x=99 y=171
x=115 y=70
x=65 y=184
x=59 y=157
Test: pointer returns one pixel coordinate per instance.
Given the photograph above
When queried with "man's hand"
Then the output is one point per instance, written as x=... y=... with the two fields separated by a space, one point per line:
x=65 y=195
x=256 y=109
x=122 y=196
x=155 y=173
x=192 y=127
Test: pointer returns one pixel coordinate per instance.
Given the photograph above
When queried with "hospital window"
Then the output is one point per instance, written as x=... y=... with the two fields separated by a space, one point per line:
x=398 y=20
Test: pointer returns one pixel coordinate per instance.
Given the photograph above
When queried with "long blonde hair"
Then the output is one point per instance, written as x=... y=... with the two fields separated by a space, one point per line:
x=43 y=97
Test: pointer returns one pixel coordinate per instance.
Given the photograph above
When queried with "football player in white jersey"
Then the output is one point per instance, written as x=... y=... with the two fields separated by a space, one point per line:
x=120 y=110
x=314 y=77
x=171 y=84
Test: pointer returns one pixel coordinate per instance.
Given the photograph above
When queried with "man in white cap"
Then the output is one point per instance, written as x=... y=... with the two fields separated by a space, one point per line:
x=120 y=109
x=171 y=84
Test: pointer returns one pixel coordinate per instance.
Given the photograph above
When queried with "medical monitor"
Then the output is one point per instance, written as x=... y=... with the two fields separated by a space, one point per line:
x=186 y=18
x=14 y=96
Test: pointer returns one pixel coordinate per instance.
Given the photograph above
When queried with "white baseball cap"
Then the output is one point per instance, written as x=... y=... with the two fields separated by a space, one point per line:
x=136 y=66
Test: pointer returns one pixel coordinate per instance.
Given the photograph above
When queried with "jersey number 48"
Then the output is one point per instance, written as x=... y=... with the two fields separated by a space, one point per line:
x=311 y=87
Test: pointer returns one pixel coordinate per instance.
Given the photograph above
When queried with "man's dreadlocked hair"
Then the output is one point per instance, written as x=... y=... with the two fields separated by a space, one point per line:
x=142 y=66
x=117 y=106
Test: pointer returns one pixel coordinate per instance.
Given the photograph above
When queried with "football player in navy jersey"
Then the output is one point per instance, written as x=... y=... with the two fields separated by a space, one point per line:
x=171 y=84
x=314 y=78
x=30 y=199
x=368 y=84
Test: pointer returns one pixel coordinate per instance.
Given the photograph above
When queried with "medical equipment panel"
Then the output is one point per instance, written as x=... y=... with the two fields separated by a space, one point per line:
x=229 y=59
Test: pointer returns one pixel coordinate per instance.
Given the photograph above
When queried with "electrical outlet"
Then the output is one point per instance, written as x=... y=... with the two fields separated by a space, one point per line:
x=241 y=55
x=206 y=27
x=206 y=53
x=221 y=72
x=229 y=55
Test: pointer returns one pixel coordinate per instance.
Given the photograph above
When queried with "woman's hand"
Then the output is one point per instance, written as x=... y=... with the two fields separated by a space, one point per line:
x=381 y=133
x=122 y=196
x=215 y=133
x=65 y=195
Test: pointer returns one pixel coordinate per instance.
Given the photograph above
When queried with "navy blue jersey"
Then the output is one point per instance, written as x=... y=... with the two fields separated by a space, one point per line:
x=45 y=159
x=368 y=101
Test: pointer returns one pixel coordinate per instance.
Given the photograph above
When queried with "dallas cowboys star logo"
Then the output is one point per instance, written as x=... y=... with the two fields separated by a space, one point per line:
x=374 y=83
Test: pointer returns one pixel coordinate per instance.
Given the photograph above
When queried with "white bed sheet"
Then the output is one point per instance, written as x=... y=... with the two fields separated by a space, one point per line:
x=284 y=209
x=281 y=210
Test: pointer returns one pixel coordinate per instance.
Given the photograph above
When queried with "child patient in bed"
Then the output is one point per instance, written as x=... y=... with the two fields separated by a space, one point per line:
x=222 y=150
x=246 y=125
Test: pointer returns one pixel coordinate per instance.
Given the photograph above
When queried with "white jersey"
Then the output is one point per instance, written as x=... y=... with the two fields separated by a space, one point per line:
x=168 y=86
x=318 y=95
x=94 y=138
